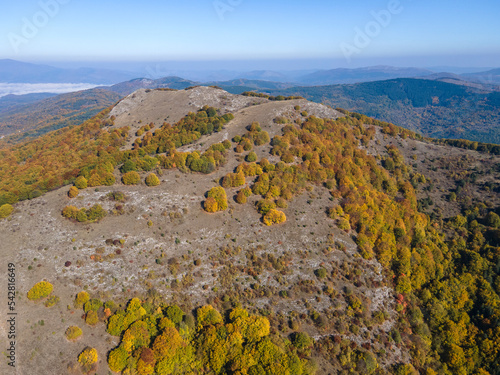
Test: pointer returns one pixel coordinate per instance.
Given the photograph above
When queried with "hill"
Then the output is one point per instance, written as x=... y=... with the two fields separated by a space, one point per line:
x=10 y=101
x=432 y=108
x=488 y=77
x=367 y=74
x=200 y=231
x=42 y=116
x=125 y=88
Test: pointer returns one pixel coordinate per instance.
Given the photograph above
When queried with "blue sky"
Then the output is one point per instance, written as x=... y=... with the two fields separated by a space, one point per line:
x=422 y=31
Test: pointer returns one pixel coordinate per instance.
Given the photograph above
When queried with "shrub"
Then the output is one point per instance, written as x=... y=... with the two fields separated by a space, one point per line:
x=274 y=217
x=70 y=212
x=40 y=290
x=247 y=191
x=73 y=333
x=247 y=145
x=108 y=179
x=117 y=196
x=5 y=210
x=233 y=180
x=343 y=224
x=320 y=273
x=254 y=127
x=92 y=318
x=51 y=301
x=251 y=169
x=241 y=198
x=95 y=213
x=73 y=192
x=281 y=203
x=152 y=180
x=251 y=157
x=261 y=138
x=265 y=205
x=131 y=178
x=87 y=359
x=81 y=216
x=280 y=120
x=81 y=182
x=211 y=205
x=92 y=305
x=95 y=180
x=219 y=195
x=80 y=299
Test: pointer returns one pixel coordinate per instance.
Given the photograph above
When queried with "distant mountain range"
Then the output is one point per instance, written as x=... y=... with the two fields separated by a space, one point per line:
x=12 y=71
x=441 y=104
x=489 y=77
x=375 y=73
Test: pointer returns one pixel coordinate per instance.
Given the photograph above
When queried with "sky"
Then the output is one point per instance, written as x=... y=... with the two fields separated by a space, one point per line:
x=323 y=33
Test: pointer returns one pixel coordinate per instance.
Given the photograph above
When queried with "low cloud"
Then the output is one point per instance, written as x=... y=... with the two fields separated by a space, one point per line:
x=32 y=88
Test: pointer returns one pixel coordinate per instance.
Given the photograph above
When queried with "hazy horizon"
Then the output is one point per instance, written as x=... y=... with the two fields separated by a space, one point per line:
x=316 y=35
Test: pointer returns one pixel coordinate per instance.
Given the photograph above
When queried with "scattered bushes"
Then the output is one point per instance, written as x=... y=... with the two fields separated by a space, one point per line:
x=82 y=215
x=40 y=290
